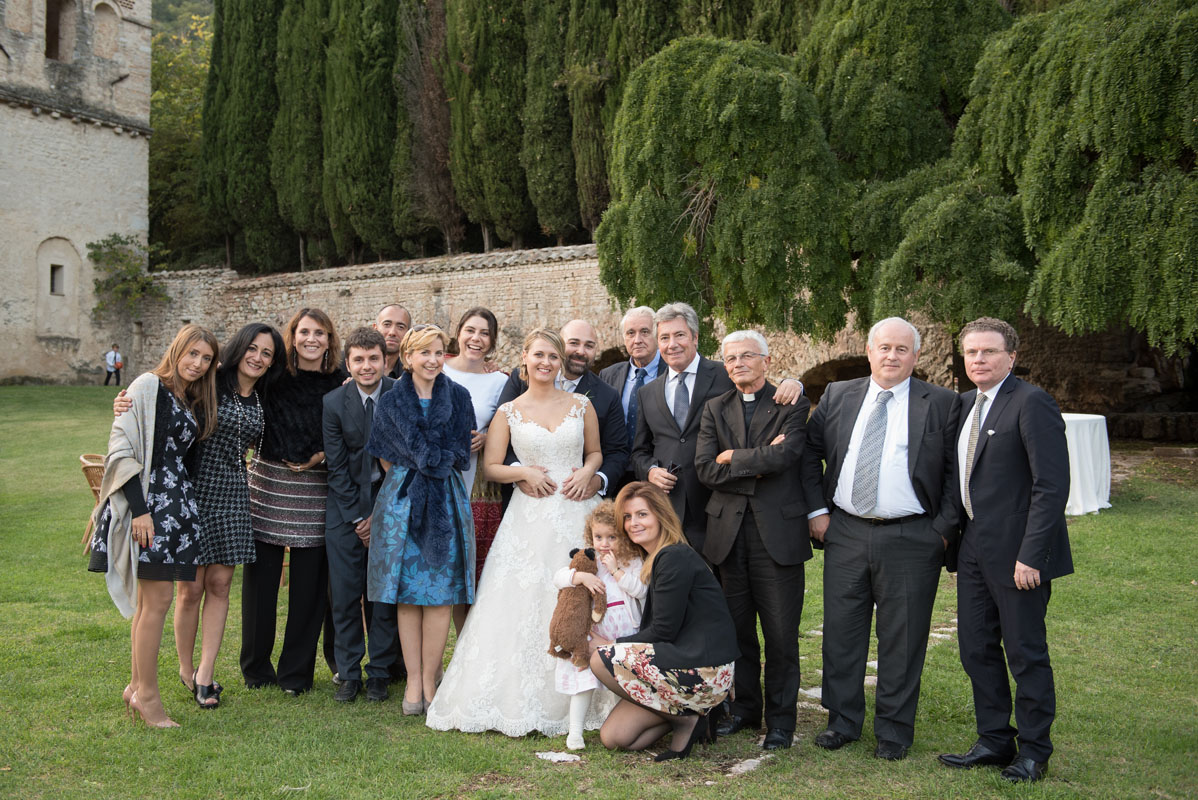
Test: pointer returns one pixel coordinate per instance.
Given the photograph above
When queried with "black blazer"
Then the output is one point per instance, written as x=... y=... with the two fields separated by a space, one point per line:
x=613 y=438
x=762 y=477
x=931 y=447
x=659 y=443
x=1020 y=482
x=616 y=375
x=344 y=427
x=686 y=618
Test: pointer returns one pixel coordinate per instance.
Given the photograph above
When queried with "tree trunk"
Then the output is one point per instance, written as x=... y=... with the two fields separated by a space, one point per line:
x=228 y=251
x=486 y=238
x=303 y=248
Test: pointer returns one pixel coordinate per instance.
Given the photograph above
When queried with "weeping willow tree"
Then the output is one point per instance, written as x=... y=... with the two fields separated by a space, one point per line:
x=725 y=192
x=1079 y=142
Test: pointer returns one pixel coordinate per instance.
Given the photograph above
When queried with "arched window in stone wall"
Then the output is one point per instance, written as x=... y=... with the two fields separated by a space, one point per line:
x=18 y=15
x=107 y=36
x=58 y=273
x=61 y=18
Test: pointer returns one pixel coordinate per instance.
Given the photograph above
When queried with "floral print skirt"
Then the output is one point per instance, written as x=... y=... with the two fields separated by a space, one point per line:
x=672 y=691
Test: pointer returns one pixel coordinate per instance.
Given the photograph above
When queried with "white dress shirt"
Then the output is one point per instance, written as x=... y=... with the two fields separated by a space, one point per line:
x=896 y=495
x=691 y=371
x=967 y=426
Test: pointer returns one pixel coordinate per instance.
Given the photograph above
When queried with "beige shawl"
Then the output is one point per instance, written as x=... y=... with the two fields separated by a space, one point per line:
x=130 y=453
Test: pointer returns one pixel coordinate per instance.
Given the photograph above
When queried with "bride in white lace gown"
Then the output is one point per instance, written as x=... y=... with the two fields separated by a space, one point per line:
x=501 y=677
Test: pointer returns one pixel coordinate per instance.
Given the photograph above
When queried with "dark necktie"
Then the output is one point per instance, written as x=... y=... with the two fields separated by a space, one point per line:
x=369 y=416
x=630 y=416
x=972 y=448
x=682 y=401
x=869 y=458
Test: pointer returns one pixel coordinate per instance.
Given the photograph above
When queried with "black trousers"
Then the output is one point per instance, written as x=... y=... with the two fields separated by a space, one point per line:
x=758 y=588
x=307 y=596
x=896 y=567
x=114 y=374
x=348 y=559
x=993 y=618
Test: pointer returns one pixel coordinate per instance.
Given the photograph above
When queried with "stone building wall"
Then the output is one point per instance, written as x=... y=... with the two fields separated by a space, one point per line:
x=526 y=289
x=74 y=122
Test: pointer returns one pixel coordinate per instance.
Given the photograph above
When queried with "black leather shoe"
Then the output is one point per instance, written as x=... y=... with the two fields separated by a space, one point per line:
x=777 y=739
x=832 y=740
x=1024 y=769
x=733 y=723
x=347 y=692
x=376 y=689
x=890 y=751
x=978 y=756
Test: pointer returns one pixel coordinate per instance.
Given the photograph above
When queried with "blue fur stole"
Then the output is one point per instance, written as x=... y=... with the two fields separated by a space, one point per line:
x=430 y=444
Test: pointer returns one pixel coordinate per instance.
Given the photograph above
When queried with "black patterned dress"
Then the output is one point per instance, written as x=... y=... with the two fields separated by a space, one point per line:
x=221 y=485
x=175 y=551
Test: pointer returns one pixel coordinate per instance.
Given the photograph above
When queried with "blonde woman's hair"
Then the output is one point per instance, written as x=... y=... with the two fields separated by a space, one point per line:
x=546 y=335
x=668 y=524
x=605 y=514
x=200 y=395
x=419 y=337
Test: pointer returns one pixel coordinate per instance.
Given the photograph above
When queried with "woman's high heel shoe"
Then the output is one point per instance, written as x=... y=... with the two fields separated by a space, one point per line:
x=697 y=733
x=126 y=696
x=135 y=707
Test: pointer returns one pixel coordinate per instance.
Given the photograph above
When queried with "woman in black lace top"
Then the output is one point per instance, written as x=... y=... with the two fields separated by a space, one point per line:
x=288 y=485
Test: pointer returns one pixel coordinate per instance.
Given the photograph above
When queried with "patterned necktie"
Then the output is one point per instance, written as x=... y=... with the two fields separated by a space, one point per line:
x=972 y=448
x=682 y=401
x=630 y=417
x=869 y=457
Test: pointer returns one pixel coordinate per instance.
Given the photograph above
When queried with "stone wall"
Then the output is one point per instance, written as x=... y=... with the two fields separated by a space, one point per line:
x=526 y=289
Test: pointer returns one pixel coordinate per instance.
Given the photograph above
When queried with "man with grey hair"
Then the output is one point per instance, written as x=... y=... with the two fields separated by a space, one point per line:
x=627 y=377
x=888 y=443
x=748 y=455
x=667 y=425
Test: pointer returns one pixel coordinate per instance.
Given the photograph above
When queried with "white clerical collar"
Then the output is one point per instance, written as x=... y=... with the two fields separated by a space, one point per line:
x=748 y=398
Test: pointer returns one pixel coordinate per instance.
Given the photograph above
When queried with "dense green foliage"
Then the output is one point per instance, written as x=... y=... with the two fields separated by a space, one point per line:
x=587 y=75
x=546 y=155
x=726 y=194
x=122 y=283
x=179 y=228
x=296 y=147
x=1083 y=134
x=213 y=150
x=359 y=120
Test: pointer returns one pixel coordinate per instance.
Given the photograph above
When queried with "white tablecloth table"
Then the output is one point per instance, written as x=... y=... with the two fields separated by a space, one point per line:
x=1089 y=464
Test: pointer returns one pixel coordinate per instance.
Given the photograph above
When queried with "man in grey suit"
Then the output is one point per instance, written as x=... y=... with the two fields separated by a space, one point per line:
x=354 y=481
x=667 y=425
x=1013 y=468
x=888 y=444
x=748 y=455
x=627 y=377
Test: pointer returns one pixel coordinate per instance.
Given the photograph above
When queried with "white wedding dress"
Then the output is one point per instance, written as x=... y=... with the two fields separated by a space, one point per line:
x=501 y=676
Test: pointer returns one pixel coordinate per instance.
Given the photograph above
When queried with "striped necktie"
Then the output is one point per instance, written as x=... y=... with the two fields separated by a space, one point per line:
x=972 y=449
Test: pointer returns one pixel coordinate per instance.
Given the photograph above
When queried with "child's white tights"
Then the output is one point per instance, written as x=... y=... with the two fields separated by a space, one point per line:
x=579 y=703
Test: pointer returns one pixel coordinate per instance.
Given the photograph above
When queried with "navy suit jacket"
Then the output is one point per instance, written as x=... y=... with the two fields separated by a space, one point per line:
x=344 y=427
x=1020 y=482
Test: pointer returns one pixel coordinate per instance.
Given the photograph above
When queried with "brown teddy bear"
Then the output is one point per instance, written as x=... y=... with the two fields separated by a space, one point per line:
x=577 y=610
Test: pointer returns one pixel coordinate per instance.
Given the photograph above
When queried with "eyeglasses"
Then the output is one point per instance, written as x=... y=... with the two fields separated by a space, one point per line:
x=986 y=354
x=746 y=357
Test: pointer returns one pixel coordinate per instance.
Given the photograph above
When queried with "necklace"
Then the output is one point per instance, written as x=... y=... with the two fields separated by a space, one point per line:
x=241 y=412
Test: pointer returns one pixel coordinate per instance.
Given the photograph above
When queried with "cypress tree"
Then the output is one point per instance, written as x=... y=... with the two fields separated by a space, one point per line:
x=588 y=75
x=487 y=135
x=247 y=118
x=461 y=69
x=727 y=19
x=359 y=124
x=296 y=149
x=422 y=189
x=214 y=189
x=726 y=194
x=781 y=24
x=546 y=154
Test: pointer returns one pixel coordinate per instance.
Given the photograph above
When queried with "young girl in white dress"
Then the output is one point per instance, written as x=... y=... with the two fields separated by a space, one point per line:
x=619 y=563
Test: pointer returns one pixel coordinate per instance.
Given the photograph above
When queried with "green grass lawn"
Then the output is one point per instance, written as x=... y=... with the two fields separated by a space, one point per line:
x=1121 y=631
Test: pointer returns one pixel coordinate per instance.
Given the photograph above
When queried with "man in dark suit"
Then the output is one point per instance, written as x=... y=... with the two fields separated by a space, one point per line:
x=1013 y=468
x=582 y=345
x=748 y=455
x=627 y=377
x=887 y=441
x=354 y=481
x=670 y=408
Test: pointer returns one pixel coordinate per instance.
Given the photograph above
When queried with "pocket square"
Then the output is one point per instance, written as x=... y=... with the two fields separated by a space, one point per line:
x=989 y=433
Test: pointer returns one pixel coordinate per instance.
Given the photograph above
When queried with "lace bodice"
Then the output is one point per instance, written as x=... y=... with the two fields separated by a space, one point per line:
x=559 y=450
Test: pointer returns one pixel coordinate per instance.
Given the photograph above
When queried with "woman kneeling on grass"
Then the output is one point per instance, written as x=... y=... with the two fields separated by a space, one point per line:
x=677 y=668
x=147 y=526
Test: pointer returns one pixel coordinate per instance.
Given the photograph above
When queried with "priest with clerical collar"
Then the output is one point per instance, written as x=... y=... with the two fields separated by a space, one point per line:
x=748 y=453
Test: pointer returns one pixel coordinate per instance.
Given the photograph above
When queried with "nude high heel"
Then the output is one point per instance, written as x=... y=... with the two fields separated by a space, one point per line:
x=166 y=722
